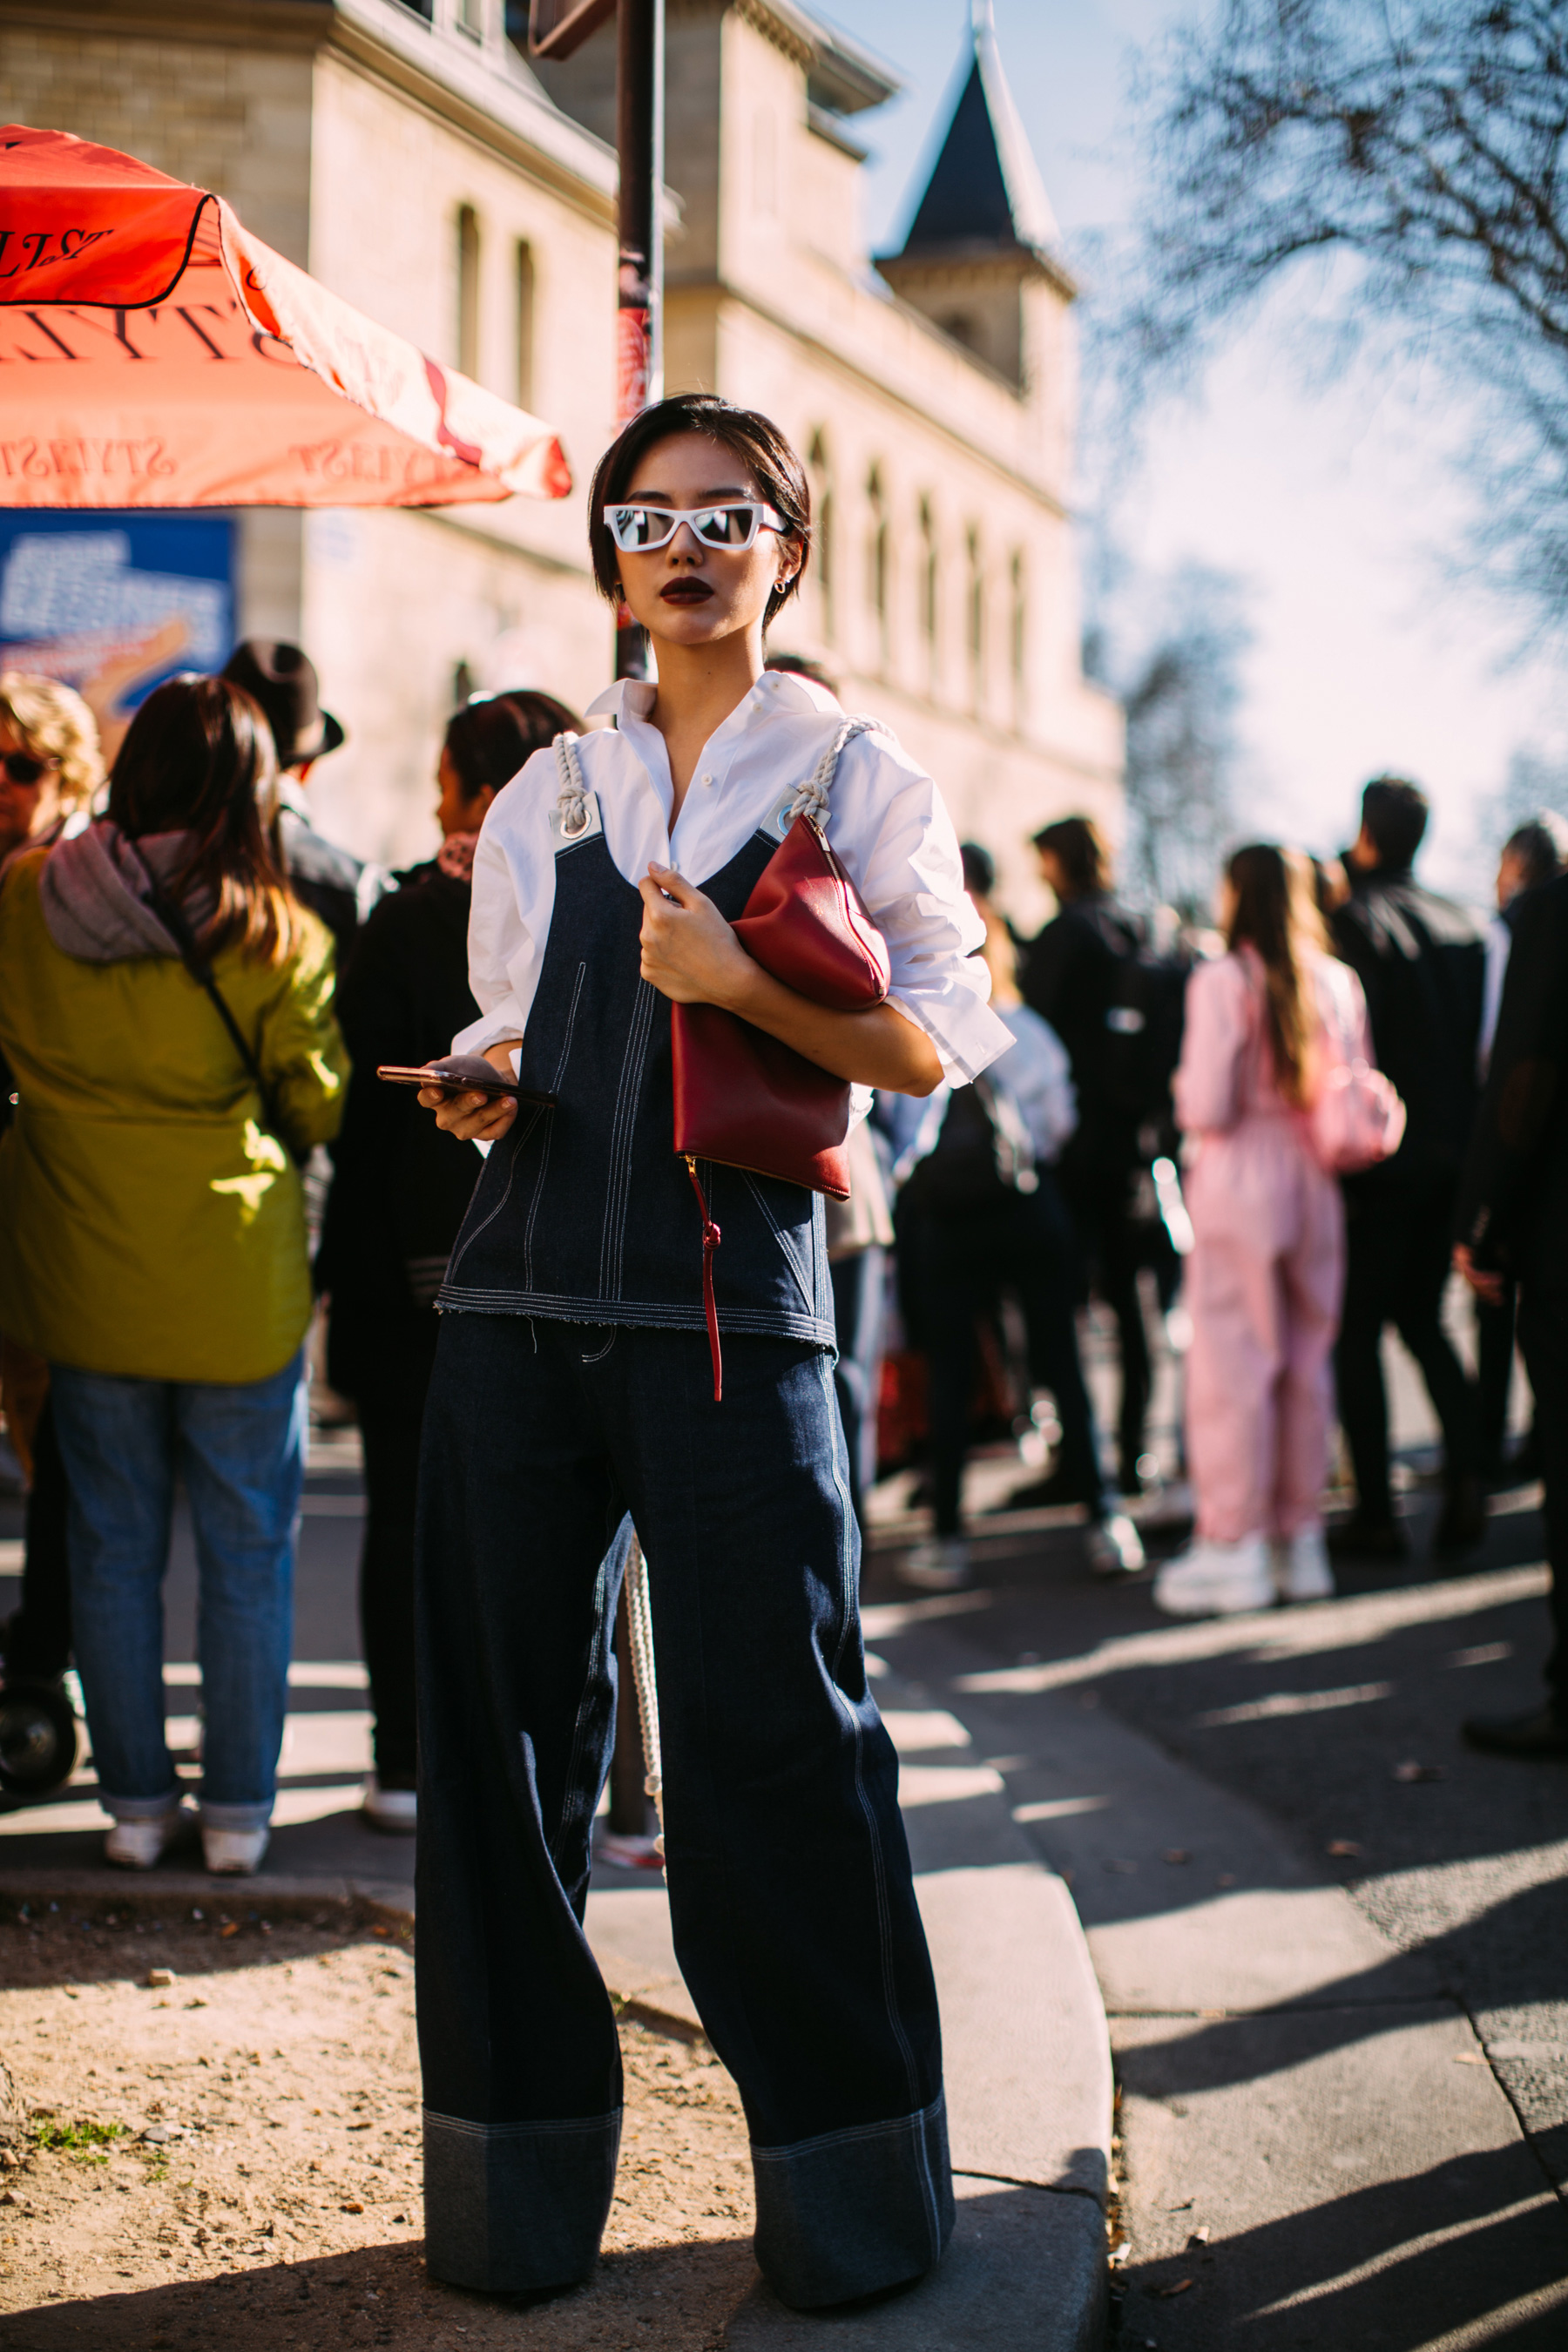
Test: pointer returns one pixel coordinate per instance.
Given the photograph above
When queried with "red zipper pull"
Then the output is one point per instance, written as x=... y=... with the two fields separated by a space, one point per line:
x=711 y=1240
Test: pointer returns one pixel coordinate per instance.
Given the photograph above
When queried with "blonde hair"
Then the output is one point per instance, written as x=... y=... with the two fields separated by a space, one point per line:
x=56 y=724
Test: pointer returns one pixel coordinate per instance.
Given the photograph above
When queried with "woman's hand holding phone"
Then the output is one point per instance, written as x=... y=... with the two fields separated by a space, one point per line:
x=476 y=1117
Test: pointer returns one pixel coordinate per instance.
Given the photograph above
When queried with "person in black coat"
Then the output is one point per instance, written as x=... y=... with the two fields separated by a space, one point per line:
x=1512 y=1220
x=334 y=884
x=1421 y=965
x=400 y=1188
x=1070 y=975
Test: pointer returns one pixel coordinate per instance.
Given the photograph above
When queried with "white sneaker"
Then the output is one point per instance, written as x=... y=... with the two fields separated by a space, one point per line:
x=233 y=1853
x=1217 y=1579
x=1113 y=1545
x=139 y=1845
x=1300 y=1566
x=395 y=1810
x=940 y=1564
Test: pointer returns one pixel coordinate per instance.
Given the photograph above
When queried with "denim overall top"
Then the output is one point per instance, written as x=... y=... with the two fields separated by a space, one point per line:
x=584 y=1213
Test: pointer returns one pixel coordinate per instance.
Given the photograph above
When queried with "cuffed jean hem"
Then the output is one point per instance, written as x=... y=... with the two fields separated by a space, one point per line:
x=514 y=2206
x=141 y=1809
x=237 y=1817
x=854 y=2212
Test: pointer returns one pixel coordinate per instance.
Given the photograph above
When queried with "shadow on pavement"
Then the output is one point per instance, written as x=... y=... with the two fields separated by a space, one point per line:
x=1407 y=2264
x=382 y=2295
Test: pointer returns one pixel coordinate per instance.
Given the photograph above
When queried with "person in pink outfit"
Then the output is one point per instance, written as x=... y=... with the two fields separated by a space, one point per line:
x=1267 y=1269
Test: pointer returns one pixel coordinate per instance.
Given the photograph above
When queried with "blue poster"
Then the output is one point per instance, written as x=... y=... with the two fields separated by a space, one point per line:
x=113 y=603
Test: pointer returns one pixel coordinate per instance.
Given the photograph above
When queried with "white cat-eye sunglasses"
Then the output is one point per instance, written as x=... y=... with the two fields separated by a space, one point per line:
x=639 y=531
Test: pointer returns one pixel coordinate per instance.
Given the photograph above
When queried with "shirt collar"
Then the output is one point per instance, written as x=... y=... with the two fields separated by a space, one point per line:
x=780 y=691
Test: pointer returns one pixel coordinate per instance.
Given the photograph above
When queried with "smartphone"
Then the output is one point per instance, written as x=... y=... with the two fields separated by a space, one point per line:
x=459 y=1073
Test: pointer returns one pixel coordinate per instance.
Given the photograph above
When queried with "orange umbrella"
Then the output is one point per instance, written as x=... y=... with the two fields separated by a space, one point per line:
x=153 y=353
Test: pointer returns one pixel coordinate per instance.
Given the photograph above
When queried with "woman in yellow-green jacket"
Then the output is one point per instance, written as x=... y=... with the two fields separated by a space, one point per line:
x=152 y=1236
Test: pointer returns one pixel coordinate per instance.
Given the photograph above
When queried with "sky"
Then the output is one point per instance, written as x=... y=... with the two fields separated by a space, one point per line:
x=1337 y=508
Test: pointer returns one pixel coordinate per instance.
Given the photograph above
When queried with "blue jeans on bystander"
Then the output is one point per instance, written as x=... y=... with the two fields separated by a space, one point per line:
x=240 y=1450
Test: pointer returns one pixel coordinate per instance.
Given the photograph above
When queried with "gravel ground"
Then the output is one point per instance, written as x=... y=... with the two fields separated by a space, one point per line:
x=233 y=2157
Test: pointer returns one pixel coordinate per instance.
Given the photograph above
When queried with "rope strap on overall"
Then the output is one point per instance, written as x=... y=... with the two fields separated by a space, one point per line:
x=572 y=798
x=811 y=797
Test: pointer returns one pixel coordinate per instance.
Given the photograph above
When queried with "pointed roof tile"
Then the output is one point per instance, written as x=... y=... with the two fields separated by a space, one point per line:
x=985 y=187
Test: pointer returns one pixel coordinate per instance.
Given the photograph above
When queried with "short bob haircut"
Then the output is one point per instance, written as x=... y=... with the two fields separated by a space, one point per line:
x=1081 y=852
x=755 y=440
x=491 y=738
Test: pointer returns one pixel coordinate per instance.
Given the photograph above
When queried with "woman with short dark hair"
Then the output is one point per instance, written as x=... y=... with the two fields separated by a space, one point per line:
x=574 y=1393
x=152 y=1236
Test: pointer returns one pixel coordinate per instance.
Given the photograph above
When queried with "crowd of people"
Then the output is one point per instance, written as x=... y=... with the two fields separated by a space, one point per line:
x=1324 y=1067
x=1294 y=1126
x=155 y=1297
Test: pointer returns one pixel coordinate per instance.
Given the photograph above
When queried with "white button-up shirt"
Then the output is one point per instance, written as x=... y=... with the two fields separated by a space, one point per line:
x=886 y=819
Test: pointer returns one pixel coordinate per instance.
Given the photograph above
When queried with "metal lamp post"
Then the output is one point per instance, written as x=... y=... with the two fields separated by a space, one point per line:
x=556 y=28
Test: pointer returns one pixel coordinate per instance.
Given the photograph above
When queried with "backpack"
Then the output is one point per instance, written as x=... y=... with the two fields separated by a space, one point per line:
x=1143 y=1032
x=982 y=1154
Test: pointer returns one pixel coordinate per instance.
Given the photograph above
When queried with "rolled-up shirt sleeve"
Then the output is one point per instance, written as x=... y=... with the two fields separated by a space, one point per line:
x=509 y=920
x=889 y=825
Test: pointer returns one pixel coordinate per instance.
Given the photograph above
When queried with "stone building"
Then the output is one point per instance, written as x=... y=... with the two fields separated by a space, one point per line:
x=410 y=158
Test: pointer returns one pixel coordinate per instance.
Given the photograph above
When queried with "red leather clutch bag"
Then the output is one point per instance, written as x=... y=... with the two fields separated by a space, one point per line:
x=742 y=1097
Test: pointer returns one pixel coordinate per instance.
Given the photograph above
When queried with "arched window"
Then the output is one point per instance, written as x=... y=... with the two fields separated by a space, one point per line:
x=822 y=536
x=524 y=324
x=469 y=290
x=930 y=588
x=876 y=560
x=975 y=630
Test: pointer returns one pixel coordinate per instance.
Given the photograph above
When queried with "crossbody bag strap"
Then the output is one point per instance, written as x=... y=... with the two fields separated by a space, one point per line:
x=811 y=797
x=172 y=918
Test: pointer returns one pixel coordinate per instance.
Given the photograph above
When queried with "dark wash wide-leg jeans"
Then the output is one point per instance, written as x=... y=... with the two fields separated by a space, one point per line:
x=790 y=1889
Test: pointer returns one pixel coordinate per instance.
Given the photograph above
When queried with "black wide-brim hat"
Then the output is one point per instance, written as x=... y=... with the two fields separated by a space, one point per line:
x=282 y=678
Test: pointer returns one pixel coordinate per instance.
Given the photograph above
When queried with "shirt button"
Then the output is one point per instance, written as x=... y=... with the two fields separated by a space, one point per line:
x=707 y=780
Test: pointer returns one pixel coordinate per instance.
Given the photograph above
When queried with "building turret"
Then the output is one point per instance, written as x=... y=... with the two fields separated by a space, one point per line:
x=980 y=257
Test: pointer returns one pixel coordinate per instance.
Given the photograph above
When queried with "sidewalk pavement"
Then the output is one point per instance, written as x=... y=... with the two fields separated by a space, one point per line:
x=1340 y=2101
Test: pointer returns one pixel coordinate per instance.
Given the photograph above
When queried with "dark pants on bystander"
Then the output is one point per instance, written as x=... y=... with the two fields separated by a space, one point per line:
x=38 y=1635
x=857 y=1280
x=384 y=1361
x=1111 y=1246
x=1023 y=1243
x=1398 y=1243
x=1543 y=1341
x=791 y=1895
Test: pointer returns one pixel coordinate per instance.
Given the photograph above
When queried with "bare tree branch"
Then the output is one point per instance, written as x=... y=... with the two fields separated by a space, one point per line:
x=1424 y=145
